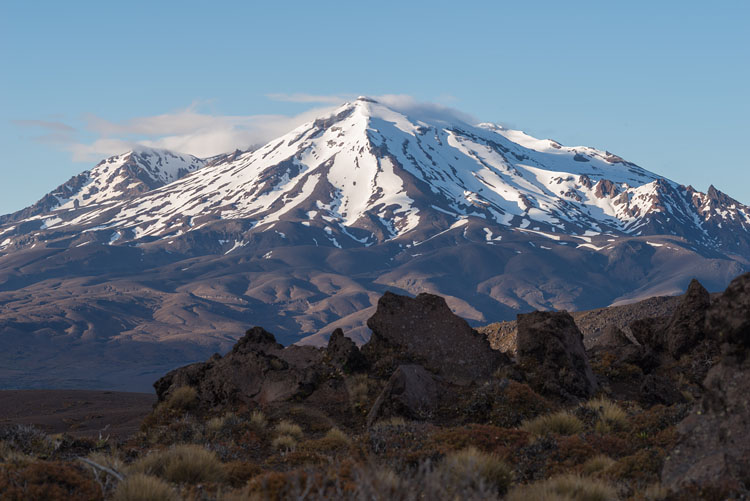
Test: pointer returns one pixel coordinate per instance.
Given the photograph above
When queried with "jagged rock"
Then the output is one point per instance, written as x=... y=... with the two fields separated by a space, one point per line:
x=343 y=354
x=729 y=317
x=258 y=370
x=680 y=332
x=648 y=331
x=713 y=451
x=714 y=448
x=551 y=353
x=411 y=392
x=611 y=339
x=686 y=327
x=424 y=330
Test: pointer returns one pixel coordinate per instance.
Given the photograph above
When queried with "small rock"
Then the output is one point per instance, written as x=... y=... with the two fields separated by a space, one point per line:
x=411 y=392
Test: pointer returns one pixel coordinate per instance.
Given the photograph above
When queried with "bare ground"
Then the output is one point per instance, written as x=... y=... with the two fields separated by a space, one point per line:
x=77 y=412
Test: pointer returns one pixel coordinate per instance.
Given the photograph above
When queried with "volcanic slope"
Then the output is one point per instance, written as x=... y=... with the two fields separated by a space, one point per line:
x=305 y=233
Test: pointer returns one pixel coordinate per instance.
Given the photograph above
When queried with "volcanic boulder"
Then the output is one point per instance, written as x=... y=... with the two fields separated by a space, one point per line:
x=424 y=330
x=258 y=370
x=551 y=354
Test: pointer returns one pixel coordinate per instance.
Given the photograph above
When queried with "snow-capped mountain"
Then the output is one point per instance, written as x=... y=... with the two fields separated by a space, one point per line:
x=173 y=257
x=116 y=178
x=369 y=174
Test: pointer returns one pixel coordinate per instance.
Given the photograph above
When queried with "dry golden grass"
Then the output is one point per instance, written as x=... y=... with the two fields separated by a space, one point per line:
x=183 y=398
x=611 y=416
x=286 y=427
x=258 y=421
x=284 y=443
x=140 y=487
x=564 y=488
x=182 y=464
x=472 y=467
x=597 y=464
x=559 y=423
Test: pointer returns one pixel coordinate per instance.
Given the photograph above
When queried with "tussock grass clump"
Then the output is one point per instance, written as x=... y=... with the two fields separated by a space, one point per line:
x=140 y=487
x=286 y=427
x=391 y=422
x=472 y=467
x=559 y=423
x=183 y=398
x=564 y=488
x=190 y=464
x=284 y=443
x=358 y=387
x=334 y=439
x=611 y=417
x=258 y=421
x=222 y=424
x=597 y=464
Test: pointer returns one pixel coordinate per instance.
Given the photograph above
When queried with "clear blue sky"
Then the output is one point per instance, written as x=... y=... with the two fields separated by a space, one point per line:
x=664 y=84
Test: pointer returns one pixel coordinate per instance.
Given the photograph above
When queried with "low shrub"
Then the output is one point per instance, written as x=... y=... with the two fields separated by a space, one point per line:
x=238 y=473
x=559 y=423
x=182 y=464
x=47 y=480
x=564 y=488
x=140 y=487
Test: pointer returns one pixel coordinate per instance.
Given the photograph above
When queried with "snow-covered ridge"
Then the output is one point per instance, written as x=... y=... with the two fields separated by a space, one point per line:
x=367 y=173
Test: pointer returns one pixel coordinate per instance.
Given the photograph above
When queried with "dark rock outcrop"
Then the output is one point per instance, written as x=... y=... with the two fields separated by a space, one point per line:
x=412 y=392
x=714 y=449
x=683 y=330
x=551 y=353
x=729 y=318
x=258 y=370
x=343 y=354
x=713 y=452
x=686 y=327
x=424 y=330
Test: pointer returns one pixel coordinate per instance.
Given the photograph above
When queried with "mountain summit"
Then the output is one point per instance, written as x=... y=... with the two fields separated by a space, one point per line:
x=303 y=234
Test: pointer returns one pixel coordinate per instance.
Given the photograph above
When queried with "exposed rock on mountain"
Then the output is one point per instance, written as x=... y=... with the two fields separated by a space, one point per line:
x=550 y=351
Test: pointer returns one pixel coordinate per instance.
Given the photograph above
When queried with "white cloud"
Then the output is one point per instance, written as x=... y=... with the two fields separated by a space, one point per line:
x=203 y=134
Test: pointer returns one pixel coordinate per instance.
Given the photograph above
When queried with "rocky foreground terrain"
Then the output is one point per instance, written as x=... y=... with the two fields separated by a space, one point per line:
x=642 y=407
